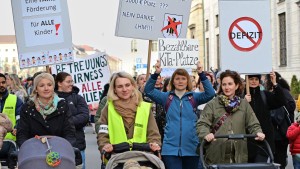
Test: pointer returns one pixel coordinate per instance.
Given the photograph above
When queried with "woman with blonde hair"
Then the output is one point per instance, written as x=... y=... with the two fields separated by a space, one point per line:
x=126 y=117
x=45 y=113
x=16 y=87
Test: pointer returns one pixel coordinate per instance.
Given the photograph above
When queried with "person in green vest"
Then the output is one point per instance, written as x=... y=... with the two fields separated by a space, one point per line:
x=126 y=117
x=11 y=106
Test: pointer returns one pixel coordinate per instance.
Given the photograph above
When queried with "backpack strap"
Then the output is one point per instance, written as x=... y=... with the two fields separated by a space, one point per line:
x=193 y=102
x=170 y=98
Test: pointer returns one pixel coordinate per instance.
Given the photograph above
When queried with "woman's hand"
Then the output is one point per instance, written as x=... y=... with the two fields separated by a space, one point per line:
x=154 y=147
x=158 y=67
x=260 y=136
x=210 y=137
x=273 y=77
x=199 y=67
x=248 y=97
x=108 y=148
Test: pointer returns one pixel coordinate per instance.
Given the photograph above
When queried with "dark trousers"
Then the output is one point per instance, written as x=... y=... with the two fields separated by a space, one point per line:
x=5 y=152
x=177 y=162
x=280 y=155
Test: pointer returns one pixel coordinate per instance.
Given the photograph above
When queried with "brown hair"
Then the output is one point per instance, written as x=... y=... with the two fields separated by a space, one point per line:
x=181 y=72
x=60 y=77
x=237 y=80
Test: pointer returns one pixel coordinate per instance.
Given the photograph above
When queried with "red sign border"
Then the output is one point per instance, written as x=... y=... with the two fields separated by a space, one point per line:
x=235 y=23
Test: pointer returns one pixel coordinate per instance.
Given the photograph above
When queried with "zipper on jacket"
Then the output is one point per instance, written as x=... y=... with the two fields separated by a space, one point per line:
x=180 y=136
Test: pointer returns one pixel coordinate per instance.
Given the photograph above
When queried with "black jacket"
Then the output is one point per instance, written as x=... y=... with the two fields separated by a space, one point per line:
x=262 y=111
x=32 y=123
x=80 y=114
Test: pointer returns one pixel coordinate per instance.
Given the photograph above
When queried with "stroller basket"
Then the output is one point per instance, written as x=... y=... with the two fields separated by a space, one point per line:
x=270 y=165
x=33 y=152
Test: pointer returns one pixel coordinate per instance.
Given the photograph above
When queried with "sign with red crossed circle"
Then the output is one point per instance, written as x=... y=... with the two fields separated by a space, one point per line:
x=245 y=34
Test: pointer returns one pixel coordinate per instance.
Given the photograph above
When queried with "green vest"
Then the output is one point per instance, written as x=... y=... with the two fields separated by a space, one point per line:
x=10 y=110
x=116 y=129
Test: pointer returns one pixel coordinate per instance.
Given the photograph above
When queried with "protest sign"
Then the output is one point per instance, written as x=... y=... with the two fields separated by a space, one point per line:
x=245 y=36
x=150 y=20
x=178 y=53
x=90 y=74
x=43 y=32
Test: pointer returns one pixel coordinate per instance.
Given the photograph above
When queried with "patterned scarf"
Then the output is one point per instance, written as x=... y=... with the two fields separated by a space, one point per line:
x=231 y=105
x=49 y=108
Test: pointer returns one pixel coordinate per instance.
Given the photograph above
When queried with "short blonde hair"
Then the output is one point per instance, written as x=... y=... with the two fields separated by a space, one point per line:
x=111 y=95
x=37 y=80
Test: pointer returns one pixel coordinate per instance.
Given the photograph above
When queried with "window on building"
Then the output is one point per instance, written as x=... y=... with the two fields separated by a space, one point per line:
x=6 y=59
x=14 y=50
x=281 y=1
x=133 y=45
x=207 y=50
x=218 y=51
x=282 y=40
x=154 y=46
x=217 y=21
x=206 y=25
x=193 y=32
x=14 y=59
x=6 y=50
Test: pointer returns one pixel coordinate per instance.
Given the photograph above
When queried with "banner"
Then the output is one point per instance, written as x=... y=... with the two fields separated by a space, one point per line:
x=89 y=74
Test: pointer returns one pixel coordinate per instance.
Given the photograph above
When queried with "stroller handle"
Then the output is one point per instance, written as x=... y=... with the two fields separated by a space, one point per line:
x=234 y=137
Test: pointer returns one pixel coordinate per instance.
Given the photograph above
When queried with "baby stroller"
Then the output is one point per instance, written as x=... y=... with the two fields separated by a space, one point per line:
x=139 y=152
x=269 y=165
x=46 y=152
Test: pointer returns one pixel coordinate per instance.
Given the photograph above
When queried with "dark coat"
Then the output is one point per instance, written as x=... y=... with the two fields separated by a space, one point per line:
x=80 y=114
x=274 y=100
x=32 y=123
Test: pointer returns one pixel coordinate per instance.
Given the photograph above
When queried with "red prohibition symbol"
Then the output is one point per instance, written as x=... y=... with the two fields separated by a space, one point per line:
x=245 y=34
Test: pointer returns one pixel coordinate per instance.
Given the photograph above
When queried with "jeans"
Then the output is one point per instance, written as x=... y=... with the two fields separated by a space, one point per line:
x=177 y=162
x=83 y=158
x=296 y=162
x=6 y=150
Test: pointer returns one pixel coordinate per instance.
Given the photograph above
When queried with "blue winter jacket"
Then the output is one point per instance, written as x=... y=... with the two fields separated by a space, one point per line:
x=180 y=138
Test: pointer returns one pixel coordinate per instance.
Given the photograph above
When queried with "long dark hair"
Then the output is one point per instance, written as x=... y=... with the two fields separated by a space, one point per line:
x=60 y=77
x=279 y=79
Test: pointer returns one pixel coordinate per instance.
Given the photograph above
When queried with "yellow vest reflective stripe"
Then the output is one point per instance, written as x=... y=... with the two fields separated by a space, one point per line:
x=116 y=129
x=10 y=110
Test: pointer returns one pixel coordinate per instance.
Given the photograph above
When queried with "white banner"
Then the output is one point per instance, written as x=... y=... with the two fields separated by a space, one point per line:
x=90 y=74
x=178 y=53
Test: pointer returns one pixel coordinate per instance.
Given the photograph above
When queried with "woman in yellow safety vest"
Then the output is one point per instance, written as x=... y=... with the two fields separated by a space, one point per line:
x=126 y=118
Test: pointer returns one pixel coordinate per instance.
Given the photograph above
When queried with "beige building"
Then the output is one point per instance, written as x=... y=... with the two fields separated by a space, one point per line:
x=9 y=61
x=285 y=27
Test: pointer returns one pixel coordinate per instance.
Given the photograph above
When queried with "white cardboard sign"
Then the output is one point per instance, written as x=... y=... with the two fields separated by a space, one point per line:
x=43 y=32
x=89 y=74
x=245 y=36
x=153 y=19
x=178 y=53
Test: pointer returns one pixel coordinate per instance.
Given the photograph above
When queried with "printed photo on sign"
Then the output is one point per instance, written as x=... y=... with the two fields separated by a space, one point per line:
x=245 y=34
x=38 y=7
x=34 y=59
x=172 y=26
x=43 y=31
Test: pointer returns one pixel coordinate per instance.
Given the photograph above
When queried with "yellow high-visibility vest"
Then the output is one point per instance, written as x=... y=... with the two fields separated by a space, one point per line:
x=10 y=110
x=116 y=129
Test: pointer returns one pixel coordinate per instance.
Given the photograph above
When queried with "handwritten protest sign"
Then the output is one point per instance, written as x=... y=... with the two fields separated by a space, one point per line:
x=90 y=74
x=148 y=19
x=178 y=53
x=43 y=32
